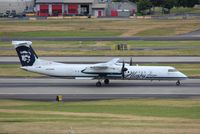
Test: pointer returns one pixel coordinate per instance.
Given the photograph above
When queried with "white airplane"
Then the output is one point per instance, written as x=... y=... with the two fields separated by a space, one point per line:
x=101 y=71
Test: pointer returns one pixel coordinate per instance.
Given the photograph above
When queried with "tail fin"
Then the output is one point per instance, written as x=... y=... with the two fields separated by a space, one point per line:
x=25 y=52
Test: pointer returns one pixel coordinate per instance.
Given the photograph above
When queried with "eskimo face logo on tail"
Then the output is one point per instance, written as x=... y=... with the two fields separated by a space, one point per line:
x=26 y=56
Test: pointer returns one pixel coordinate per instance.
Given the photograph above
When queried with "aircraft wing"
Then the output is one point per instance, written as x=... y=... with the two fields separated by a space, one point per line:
x=109 y=67
x=113 y=61
x=105 y=65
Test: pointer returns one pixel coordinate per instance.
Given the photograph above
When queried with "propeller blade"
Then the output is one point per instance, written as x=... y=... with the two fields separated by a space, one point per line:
x=131 y=62
x=123 y=70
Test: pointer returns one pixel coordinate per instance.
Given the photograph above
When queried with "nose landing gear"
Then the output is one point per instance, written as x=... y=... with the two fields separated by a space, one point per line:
x=98 y=84
x=178 y=83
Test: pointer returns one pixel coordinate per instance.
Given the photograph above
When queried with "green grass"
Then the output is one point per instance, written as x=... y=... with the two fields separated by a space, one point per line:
x=106 y=116
x=157 y=31
x=185 y=10
x=178 y=10
x=140 y=107
x=163 y=43
x=63 y=48
x=62 y=22
x=96 y=28
x=15 y=71
x=60 y=34
x=109 y=43
x=141 y=110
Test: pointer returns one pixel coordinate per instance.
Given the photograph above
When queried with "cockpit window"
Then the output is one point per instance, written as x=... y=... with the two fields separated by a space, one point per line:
x=172 y=70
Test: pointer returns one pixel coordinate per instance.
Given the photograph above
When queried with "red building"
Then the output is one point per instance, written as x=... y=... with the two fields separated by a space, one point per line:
x=70 y=7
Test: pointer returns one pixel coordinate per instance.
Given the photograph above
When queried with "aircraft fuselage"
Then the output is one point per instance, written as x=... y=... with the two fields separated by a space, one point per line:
x=132 y=73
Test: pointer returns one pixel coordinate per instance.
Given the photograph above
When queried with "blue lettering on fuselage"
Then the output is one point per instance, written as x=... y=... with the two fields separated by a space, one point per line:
x=139 y=75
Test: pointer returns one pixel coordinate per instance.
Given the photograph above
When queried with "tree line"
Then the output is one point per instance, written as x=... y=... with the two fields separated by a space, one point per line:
x=146 y=6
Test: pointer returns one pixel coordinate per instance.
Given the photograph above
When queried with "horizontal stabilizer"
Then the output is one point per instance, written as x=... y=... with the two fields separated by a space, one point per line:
x=21 y=43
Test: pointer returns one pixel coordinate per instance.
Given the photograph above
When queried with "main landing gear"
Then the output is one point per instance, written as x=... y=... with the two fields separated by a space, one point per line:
x=178 y=83
x=98 y=84
x=106 y=81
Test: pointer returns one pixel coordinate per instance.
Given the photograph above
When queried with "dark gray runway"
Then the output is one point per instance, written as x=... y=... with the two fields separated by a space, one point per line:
x=165 y=38
x=47 y=89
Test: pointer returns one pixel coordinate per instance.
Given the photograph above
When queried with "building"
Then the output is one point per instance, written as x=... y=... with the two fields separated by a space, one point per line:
x=121 y=9
x=18 y=5
x=71 y=7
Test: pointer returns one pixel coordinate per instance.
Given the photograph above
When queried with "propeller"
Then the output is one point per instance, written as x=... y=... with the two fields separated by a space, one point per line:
x=123 y=70
x=131 y=62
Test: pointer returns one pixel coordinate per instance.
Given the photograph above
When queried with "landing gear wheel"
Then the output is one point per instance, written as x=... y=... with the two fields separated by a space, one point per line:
x=106 y=81
x=178 y=83
x=98 y=84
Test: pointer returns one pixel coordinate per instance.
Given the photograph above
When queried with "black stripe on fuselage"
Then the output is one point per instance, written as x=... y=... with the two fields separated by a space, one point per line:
x=119 y=77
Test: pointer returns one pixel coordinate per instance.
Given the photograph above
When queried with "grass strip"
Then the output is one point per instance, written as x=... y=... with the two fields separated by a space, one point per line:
x=106 y=116
x=108 y=48
x=96 y=27
x=182 y=108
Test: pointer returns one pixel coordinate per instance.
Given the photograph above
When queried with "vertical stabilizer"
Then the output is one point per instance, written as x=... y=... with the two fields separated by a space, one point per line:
x=25 y=52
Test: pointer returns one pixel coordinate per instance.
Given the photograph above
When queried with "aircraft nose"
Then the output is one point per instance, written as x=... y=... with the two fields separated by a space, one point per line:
x=183 y=75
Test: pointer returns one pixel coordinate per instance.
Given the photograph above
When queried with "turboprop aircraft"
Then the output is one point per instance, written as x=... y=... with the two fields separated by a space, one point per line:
x=101 y=71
